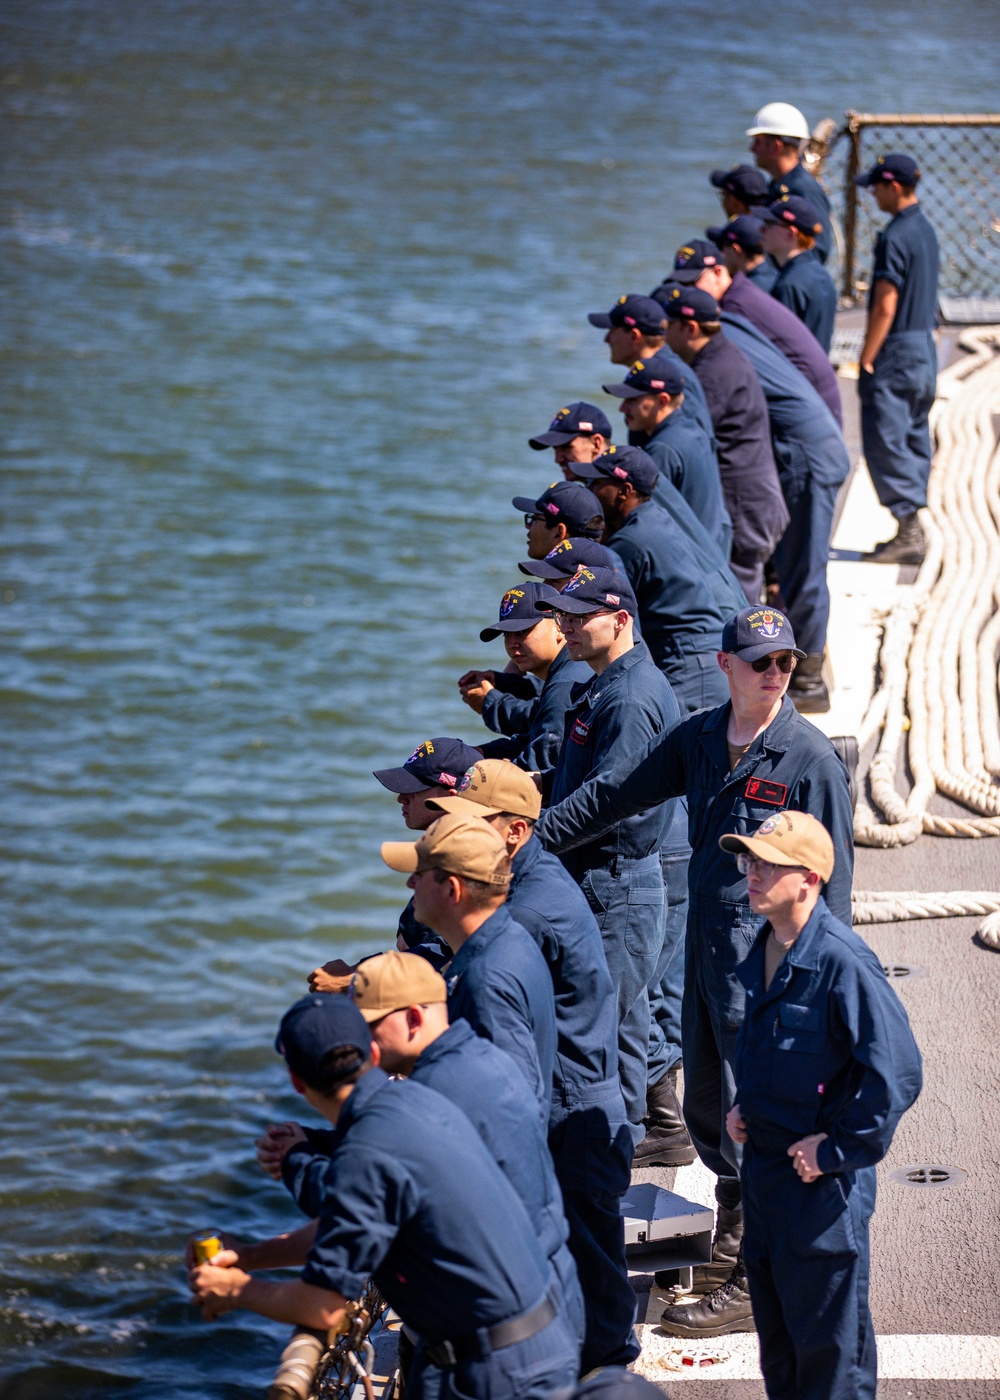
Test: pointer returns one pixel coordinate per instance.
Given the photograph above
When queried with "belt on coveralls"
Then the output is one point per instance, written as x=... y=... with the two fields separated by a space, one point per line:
x=503 y=1334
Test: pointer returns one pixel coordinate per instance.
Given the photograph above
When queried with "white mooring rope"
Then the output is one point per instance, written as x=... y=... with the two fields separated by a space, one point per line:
x=939 y=654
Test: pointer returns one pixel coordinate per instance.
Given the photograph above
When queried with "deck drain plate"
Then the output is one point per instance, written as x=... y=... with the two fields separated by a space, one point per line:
x=895 y=971
x=926 y=1174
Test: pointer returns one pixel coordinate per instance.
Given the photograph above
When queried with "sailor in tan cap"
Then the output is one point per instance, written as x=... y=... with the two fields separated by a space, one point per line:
x=825 y=1065
x=404 y=1002
x=588 y=1132
x=459 y=874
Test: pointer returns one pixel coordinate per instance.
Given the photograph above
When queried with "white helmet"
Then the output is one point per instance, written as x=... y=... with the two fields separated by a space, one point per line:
x=780 y=119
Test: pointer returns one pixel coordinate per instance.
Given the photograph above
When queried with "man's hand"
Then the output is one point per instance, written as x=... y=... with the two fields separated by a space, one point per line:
x=273 y=1146
x=229 y=1247
x=736 y=1125
x=803 y=1155
x=217 y=1286
x=333 y=976
x=474 y=687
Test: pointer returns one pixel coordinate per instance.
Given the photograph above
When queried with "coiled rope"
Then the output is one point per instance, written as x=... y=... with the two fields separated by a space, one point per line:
x=939 y=653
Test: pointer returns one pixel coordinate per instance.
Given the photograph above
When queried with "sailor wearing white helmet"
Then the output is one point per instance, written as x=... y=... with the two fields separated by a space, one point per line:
x=778 y=133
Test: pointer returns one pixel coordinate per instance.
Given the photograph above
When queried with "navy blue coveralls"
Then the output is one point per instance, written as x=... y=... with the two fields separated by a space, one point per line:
x=410 y=1196
x=807 y=289
x=746 y=459
x=786 y=331
x=681 y=621
x=687 y=457
x=483 y=1081
x=588 y=1132
x=694 y=408
x=897 y=398
x=791 y=765
x=827 y=1048
x=615 y=717
x=537 y=746
x=812 y=460
x=799 y=181
x=498 y=982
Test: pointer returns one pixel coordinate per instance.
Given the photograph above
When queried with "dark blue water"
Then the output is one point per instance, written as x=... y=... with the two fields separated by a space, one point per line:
x=286 y=289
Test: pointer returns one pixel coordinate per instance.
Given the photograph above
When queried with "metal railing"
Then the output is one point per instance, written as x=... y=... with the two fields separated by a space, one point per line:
x=959 y=160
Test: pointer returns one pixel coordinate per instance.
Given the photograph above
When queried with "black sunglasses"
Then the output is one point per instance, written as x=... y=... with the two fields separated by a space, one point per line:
x=784 y=663
x=530 y=516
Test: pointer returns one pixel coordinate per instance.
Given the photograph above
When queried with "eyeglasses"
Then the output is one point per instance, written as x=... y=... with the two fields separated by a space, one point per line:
x=784 y=663
x=563 y=617
x=530 y=516
x=744 y=862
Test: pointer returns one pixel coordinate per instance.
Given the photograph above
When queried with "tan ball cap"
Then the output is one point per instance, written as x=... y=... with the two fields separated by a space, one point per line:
x=393 y=980
x=493 y=785
x=788 y=838
x=459 y=844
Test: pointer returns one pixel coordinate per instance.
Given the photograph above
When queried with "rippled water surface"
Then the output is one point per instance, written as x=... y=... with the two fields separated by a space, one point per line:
x=286 y=289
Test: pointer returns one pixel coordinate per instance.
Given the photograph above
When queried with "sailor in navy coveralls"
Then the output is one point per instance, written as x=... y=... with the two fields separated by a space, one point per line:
x=588 y=1132
x=409 y=1195
x=497 y=978
x=737 y=765
x=897 y=377
x=825 y=1066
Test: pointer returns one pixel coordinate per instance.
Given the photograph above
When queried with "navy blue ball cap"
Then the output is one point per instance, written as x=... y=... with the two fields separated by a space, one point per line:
x=588 y=591
x=575 y=420
x=567 y=557
x=646 y=377
x=690 y=304
x=746 y=182
x=895 y=166
x=517 y=612
x=758 y=631
x=745 y=231
x=317 y=1024
x=436 y=761
x=641 y=312
x=629 y=465
x=692 y=260
x=794 y=212
x=564 y=503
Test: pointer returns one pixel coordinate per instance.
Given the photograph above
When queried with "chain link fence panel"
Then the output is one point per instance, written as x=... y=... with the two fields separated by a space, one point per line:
x=959 y=160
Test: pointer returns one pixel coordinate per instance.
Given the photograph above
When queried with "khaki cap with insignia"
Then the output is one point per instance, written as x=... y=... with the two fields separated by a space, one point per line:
x=464 y=846
x=394 y=980
x=493 y=785
x=788 y=838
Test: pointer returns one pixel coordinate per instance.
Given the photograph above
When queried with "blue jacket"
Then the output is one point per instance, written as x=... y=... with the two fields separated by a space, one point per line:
x=614 y=718
x=713 y=562
x=409 y=1194
x=508 y=707
x=826 y=1049
x=799 y=181
x=694 y=408
x=498 y=982
x=677 y=612
x=785 y=331
x=791 y=765
x=687 y=457
x=545 y=900
x=746 y=459
x=806 y=439
x=807 y=289
x=538 y=747
x=487 y=1086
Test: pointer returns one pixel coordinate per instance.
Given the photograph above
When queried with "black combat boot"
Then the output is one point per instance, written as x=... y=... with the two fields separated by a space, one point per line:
x=807 y=688
x=725 y=1309
x=907 y=546
x=666 y=1143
